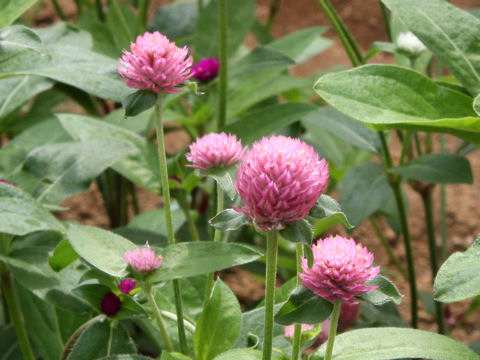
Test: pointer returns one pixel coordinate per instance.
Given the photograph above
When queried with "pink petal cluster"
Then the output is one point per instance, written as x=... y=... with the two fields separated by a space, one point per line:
x=279 y=180
x=126 y=286
x=155 y=64
x=289 y=330
x=214 y=150
x=143 y=259
x=206 y=69
x=340 y=269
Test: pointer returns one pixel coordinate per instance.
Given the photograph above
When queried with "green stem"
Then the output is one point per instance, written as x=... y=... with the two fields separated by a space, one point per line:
x=271 y=258
x=386 y=19
x=396 y=186
x=406 y=147
x=162 y=157
x=200 y=5
x=333 y=329
x=59 y=10
x=78 y=3
x=388 y=248
x=123 y=23
x=427 y=204
x=134 y=200
x=158 y=316
x=342 y=32
x=182 y=198
x=222 y=94
x=272 y=13
x=298 y=327
x=100 y=13
x=418 y=147
x=16 y=315
x=443 y=208
x=141 y=22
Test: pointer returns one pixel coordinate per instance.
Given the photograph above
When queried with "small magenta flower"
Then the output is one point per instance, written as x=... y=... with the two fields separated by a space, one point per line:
x=206 y=69
x=110 y=304
x=215 y=150
x=280 y=180
x=340 y=269
x=143 y=259
x=155 y=63
x=289 y=330
x=126 y=286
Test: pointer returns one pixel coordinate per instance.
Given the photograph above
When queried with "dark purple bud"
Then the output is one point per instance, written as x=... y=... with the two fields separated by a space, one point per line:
x=206 y=69
x=126 y=286
x=111 y=304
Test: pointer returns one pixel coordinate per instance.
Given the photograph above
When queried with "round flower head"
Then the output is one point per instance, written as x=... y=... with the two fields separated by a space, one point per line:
x=155 y=64
x=408 y=42
x=143 y=259
x=110 y=304
x=126 y=286
x=214 y=150
x=340 y=269
x=206 y=69
x=279 y=180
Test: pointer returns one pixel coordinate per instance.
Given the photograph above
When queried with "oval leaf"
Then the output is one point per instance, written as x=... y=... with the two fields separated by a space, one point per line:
x=219 y=325
x=240 y=354
x=139 y=101
x=386 y=291
x=298 y=231
x=326 y=207
x=229 y=220
x=395 y=343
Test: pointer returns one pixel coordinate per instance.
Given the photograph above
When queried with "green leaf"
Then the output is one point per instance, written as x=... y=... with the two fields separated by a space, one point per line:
x=259 y=58
x=457 y=278
x=298 y=231
x=62 y=256
x=94 y=293
x=229 y=220
x=386 y=292
x=174 y=356
x=219 y=325
x=12 y=9
x=224 y=176
x=453 y=35
x=28 y=274
x=304 y=307
x=196 y=258
x=476 y=104
x=9 y=344
x=102 y=337
x=438 y=168
x=154 y=221
x=303 y=44
x=240 y=354
x=140 y=166
x=404 y=99
x=126 y=357
x=267 y=120
x=21 y=214
x=363 y=191
x=100 y=248
x=176 y=20
x=70 y=167
x=327 y=208
x=331 y=120
x=139 y=101
x=240 y=16
x=394 y=343
x=68 y=61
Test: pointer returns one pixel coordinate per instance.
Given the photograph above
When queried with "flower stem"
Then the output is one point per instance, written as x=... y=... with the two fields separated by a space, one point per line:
x=272 y=13
x=141 y=21
x=223 y=71
x=182 y=199
x=271 y=257
x=162 y=157
x=147 y=289
x=100 y=13
x=59 y=10
x=16 y=315
x=396 y=185
x=298 y=327
x=388 y=248
x=427 y=204
x=333 y=329
x=386 y=19
x=443 y=208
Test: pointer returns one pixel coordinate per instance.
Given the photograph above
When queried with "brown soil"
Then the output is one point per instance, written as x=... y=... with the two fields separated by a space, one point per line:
x=364 y=18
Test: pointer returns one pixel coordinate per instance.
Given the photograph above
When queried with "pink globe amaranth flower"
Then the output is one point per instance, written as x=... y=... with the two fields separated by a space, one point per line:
x=206 y=69
x=279 y=180
x=126 y=286
x=155 y=63
x=340 y=269
x=289 y=330
x=110 y=304
x=215 y=150
x=143 y=259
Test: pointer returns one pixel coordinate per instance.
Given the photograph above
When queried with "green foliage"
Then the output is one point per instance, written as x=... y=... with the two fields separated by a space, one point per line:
x=229 y=220
x=12 y=9
x=298 y=231
x=139 y=102
x=386 y=292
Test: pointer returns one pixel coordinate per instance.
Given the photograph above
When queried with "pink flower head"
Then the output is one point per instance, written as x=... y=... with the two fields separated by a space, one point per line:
x=143 y=259
x=155 y=63
x=206 y=69
x=289 y=330
x=214 y=150
x=340 y=269
x=126 y=286
x=279 y=181
x=110 y=304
